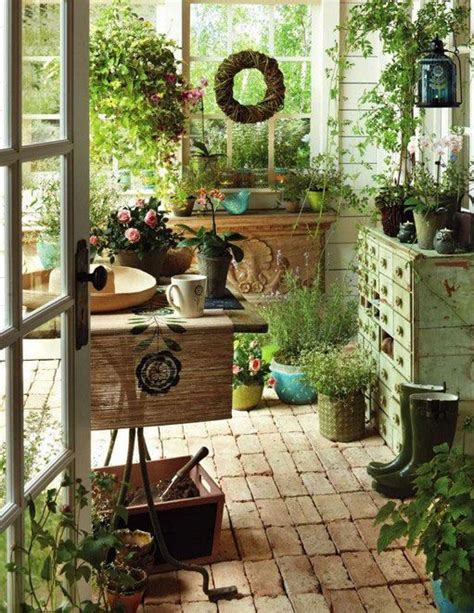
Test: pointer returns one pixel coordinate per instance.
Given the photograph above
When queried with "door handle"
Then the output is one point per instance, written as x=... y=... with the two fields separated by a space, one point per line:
x=98 y=278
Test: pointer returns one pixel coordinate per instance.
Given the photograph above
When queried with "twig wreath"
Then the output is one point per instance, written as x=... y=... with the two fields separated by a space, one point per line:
x=274 y=81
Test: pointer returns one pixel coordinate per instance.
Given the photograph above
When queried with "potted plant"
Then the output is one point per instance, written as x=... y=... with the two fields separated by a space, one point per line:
x=205 y=158
x=292 y=190
x=125 y=587
x=341 y=374
x=303 y=318
x=215 y=251
x=390 y=203
x=439 y=522
x=250 y=373
x=136 y=236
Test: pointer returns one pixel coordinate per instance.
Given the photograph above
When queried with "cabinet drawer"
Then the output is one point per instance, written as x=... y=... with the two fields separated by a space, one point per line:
x=402 y=359
x=385 y=261
x=397 y=439
x=373 y=249
x=402 y=331
x=401 y=301
x=386 y=318
x=373 y=283
x=382 y=396
x=386 y=289
x=401 y=271
x=384 y=427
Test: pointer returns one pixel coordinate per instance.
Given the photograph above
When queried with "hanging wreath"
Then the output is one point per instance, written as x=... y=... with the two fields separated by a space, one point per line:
x=274 y=81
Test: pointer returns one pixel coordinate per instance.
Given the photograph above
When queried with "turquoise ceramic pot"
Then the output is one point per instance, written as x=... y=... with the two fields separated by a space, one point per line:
x=49 y=254
x=290 y=385
x=444 y=605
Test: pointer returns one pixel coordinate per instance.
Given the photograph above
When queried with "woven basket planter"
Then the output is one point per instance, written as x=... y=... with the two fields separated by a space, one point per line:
x=342 y=420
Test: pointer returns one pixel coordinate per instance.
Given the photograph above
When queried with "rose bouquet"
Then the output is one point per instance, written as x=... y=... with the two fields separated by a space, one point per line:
x=248 y=366
x=139 y=228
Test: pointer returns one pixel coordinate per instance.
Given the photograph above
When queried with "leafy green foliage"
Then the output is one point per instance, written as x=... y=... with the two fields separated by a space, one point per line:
x=248 y=365
x=439 y=521
x=339 y=372
x=306 y=318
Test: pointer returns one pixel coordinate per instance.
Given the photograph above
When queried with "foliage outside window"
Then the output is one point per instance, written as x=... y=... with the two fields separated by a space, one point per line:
x=282 y=31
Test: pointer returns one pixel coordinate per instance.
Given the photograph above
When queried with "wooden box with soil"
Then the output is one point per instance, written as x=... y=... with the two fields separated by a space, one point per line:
x=191 y=526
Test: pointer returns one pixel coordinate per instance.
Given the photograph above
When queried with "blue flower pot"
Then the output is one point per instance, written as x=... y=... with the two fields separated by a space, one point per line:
x=443 y=604
x=49 y=253
x=290 y=386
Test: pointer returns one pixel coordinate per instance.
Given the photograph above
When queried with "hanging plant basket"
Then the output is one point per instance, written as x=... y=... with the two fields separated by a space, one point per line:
x=274 y=81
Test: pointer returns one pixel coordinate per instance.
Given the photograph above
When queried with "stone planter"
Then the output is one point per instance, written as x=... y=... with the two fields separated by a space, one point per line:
x=427 y=224
x=216 y=270
x=342 y=420
x=246 y=397
x=291 y=206
x=177 y=261
x=152 y=262
x=290 y=386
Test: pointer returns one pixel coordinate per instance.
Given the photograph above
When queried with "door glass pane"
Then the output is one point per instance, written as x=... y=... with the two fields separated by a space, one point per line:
x=43 y=414
x=3 y=74
x=41 y=70
x=3 y=572
x=209 y=29
x=4 y=315
x=292 y=30
x=251 y=27
x=3 y=433
x=41 y=222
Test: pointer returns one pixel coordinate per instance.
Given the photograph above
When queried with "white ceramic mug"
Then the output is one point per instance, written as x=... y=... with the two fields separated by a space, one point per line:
x=186 y=294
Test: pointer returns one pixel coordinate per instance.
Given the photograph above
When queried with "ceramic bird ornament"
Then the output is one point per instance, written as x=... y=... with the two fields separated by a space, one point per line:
x=237 y=203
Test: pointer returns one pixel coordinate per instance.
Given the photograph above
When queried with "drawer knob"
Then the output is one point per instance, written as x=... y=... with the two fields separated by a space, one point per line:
x=384 y=318
x=396 y=419
x=384 y=429
x=374 y=267
x=398 y=301
x=384 y=373
x=398 y=388
x=384 y=262
x=399 y=447
x=398 y=271
x=384 y=401
x=399 y=331
x=384 y=290
x=372 y=250
x=399 y=360
x=374 y=336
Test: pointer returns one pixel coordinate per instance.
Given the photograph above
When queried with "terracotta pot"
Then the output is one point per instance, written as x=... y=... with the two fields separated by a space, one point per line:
x=216 y=270
x=177 y=261
x=427 y=224
x=152 y=262
x=184 y=210
x=130 y=601
x=291 y=206
x=246 y=397
x=392 y=217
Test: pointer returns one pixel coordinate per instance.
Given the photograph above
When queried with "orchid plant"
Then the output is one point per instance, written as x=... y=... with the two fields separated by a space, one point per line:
x=139 y=227
x=248 y=367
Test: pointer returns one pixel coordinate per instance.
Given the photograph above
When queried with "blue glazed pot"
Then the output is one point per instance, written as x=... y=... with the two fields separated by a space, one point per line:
x=444 y=605
x=290 y=385
x=49 y=254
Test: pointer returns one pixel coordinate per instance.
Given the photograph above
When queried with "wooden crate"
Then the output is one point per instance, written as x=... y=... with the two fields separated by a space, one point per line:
x=191 y=526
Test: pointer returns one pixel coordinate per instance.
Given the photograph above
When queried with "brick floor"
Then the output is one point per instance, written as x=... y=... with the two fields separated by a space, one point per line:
x=298 y=533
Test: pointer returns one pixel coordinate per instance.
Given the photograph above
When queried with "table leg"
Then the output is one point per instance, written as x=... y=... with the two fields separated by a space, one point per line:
x=213 y=594
x=113 y=438
x=127 y=471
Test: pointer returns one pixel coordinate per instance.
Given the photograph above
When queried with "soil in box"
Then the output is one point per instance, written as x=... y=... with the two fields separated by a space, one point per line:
x=191 y=526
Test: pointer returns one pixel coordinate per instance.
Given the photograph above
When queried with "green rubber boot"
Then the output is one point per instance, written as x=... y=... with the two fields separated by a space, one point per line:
x=433 y=421
x=375 y=469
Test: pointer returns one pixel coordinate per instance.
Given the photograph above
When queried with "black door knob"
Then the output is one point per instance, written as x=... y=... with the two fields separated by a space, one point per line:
x=98 y=278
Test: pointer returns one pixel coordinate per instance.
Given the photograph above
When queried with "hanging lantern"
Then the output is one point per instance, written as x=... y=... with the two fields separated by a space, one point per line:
x=437 y=86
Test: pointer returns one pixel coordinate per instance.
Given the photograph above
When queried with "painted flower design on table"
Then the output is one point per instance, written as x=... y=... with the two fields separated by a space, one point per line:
x=157 y=371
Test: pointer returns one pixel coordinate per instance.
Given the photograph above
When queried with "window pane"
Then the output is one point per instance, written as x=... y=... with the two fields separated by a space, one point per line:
x=215 y=135
x=292 y=143
x=4 y=315
x=42 y=376
x=3 y=74
x=206 y=70
x=250 y=146
x=298 y=86
x=3 y=433
x=209 y=30
x=292 y=30
x=41 y=70
x=251 y=27
x=41 y=223
x=249 y=87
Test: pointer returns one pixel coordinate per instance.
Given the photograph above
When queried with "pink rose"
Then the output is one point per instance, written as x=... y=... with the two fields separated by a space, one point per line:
x=140 y=203
x=255 y=364
x=271 y=381
x=133 y=235
x=235 y=369
x=151 y=219
x=94 y=240
x=124 y=216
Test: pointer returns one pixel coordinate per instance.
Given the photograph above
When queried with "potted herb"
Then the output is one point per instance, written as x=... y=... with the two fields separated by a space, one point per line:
x=302 y=319
x=125 y=587
x=341 y=375
x=439 y=522
x=215 y=251
x=250 y=373
x=136 y=236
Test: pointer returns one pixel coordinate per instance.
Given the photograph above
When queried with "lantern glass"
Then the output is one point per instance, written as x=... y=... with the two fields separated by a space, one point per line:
x=437 y=85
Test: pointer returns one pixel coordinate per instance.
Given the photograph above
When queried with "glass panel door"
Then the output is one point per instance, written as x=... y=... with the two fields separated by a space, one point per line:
x=43 y=213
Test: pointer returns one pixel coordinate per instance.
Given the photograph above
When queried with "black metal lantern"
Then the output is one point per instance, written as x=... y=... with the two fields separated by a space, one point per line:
x=437 y=86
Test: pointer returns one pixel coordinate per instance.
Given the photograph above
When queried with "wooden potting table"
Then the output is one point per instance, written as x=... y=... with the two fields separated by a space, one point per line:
x=244 y=320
